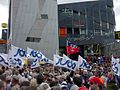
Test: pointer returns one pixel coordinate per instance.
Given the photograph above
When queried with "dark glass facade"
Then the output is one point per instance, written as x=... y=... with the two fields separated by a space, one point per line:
x=87 y=23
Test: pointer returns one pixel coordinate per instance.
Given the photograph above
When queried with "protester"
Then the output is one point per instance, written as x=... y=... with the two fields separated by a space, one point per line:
x=47 y=78
x=15 y=83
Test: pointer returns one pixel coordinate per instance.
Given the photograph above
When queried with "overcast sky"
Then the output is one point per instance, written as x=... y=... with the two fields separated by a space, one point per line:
x=4 y=11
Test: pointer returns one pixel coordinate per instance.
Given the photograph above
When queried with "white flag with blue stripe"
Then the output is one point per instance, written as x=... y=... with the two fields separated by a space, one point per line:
x=70 y=64
x=35 y=63
x=19 y=56
x=82 y=63
x=65 y=62
x=37 y=54
x=115 y=63
x=18 y=52
x=3 y=59
x=57 y=60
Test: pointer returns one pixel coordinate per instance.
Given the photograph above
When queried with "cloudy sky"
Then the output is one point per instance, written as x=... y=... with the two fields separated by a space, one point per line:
x=4 y=11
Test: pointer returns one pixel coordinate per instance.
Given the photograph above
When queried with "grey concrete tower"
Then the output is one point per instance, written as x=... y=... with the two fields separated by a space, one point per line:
x=34 y=24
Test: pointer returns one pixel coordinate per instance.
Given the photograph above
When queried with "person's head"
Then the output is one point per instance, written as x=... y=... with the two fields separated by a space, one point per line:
x=46 y=76
x=77 y=81
x=40 y=79
x=44 y=86
x=64 y=85
x=94 y=87
x=16 y=72
x=71 y=74
x=69 y=80
x=53 y=83
x=15 y=80
x=33 y=84
x=8 y=79
x=3 y=77
x=56 y=88
x=112 y=86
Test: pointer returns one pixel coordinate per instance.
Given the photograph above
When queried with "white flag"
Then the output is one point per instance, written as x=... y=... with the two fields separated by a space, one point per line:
x=3 y=60
x=69 y=63
x=115 y=63
x=57 y=60
x=18 y=52
x=65 y=62
x=35 y=63
x=82 y=63
x=18 y=56
x=37 y=54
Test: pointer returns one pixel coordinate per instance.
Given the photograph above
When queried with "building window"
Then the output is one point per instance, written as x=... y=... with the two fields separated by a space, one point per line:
x=44 y=16
x=82 y=20
x=75 y=12
x=83 y=30
x=76 y=31
x=33 y=39
x=62 y=32
x=69 y=30
x=103 y=15
x=97 y=27
x=105 y=30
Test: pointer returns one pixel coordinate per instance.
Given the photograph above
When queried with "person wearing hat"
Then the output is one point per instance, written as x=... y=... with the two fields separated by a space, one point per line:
x=15 y=83
x=42 y=85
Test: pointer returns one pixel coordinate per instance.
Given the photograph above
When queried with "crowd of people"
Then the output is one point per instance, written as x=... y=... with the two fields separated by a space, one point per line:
x=48 y=77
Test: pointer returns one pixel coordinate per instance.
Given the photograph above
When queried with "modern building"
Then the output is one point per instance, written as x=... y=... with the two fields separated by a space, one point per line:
x=34 y=24
x=90 y=25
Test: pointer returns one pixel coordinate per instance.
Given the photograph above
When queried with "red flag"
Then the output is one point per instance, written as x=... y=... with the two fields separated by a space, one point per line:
x=72 y=48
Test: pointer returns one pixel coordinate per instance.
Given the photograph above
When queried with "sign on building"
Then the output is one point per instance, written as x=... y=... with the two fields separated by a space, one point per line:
x=117 y=34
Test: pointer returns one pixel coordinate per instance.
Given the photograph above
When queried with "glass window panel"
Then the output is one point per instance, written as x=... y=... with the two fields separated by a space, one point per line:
x=76 y=31
x=96 y=25
x=44 y=16
x=82 y=20
x=105 y=31
x=103 y=15
x=62 y=32
x=104 y=25
x=69 y=30
x=76 y=20
x=33 y=39
x=83 y=30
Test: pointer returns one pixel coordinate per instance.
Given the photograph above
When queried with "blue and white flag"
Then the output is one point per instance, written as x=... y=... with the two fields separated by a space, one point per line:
x=115 y=63
x=38 y=55
x=70 y=64
x=18 y=52
x=35 y=63
x=3 y=60
x=34 y=54
x=57 y=60
x=82 y=63
x=65 y=62
x=18 y=56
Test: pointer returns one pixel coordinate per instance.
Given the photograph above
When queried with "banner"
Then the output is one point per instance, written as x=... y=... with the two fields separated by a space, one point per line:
x=35 y=63
x=18 y=56
x=115 y=63
x=38 y=55
x=3 y=60
x=82 y=63
x=18 y=52
x=57 y=59
x=65 y=62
